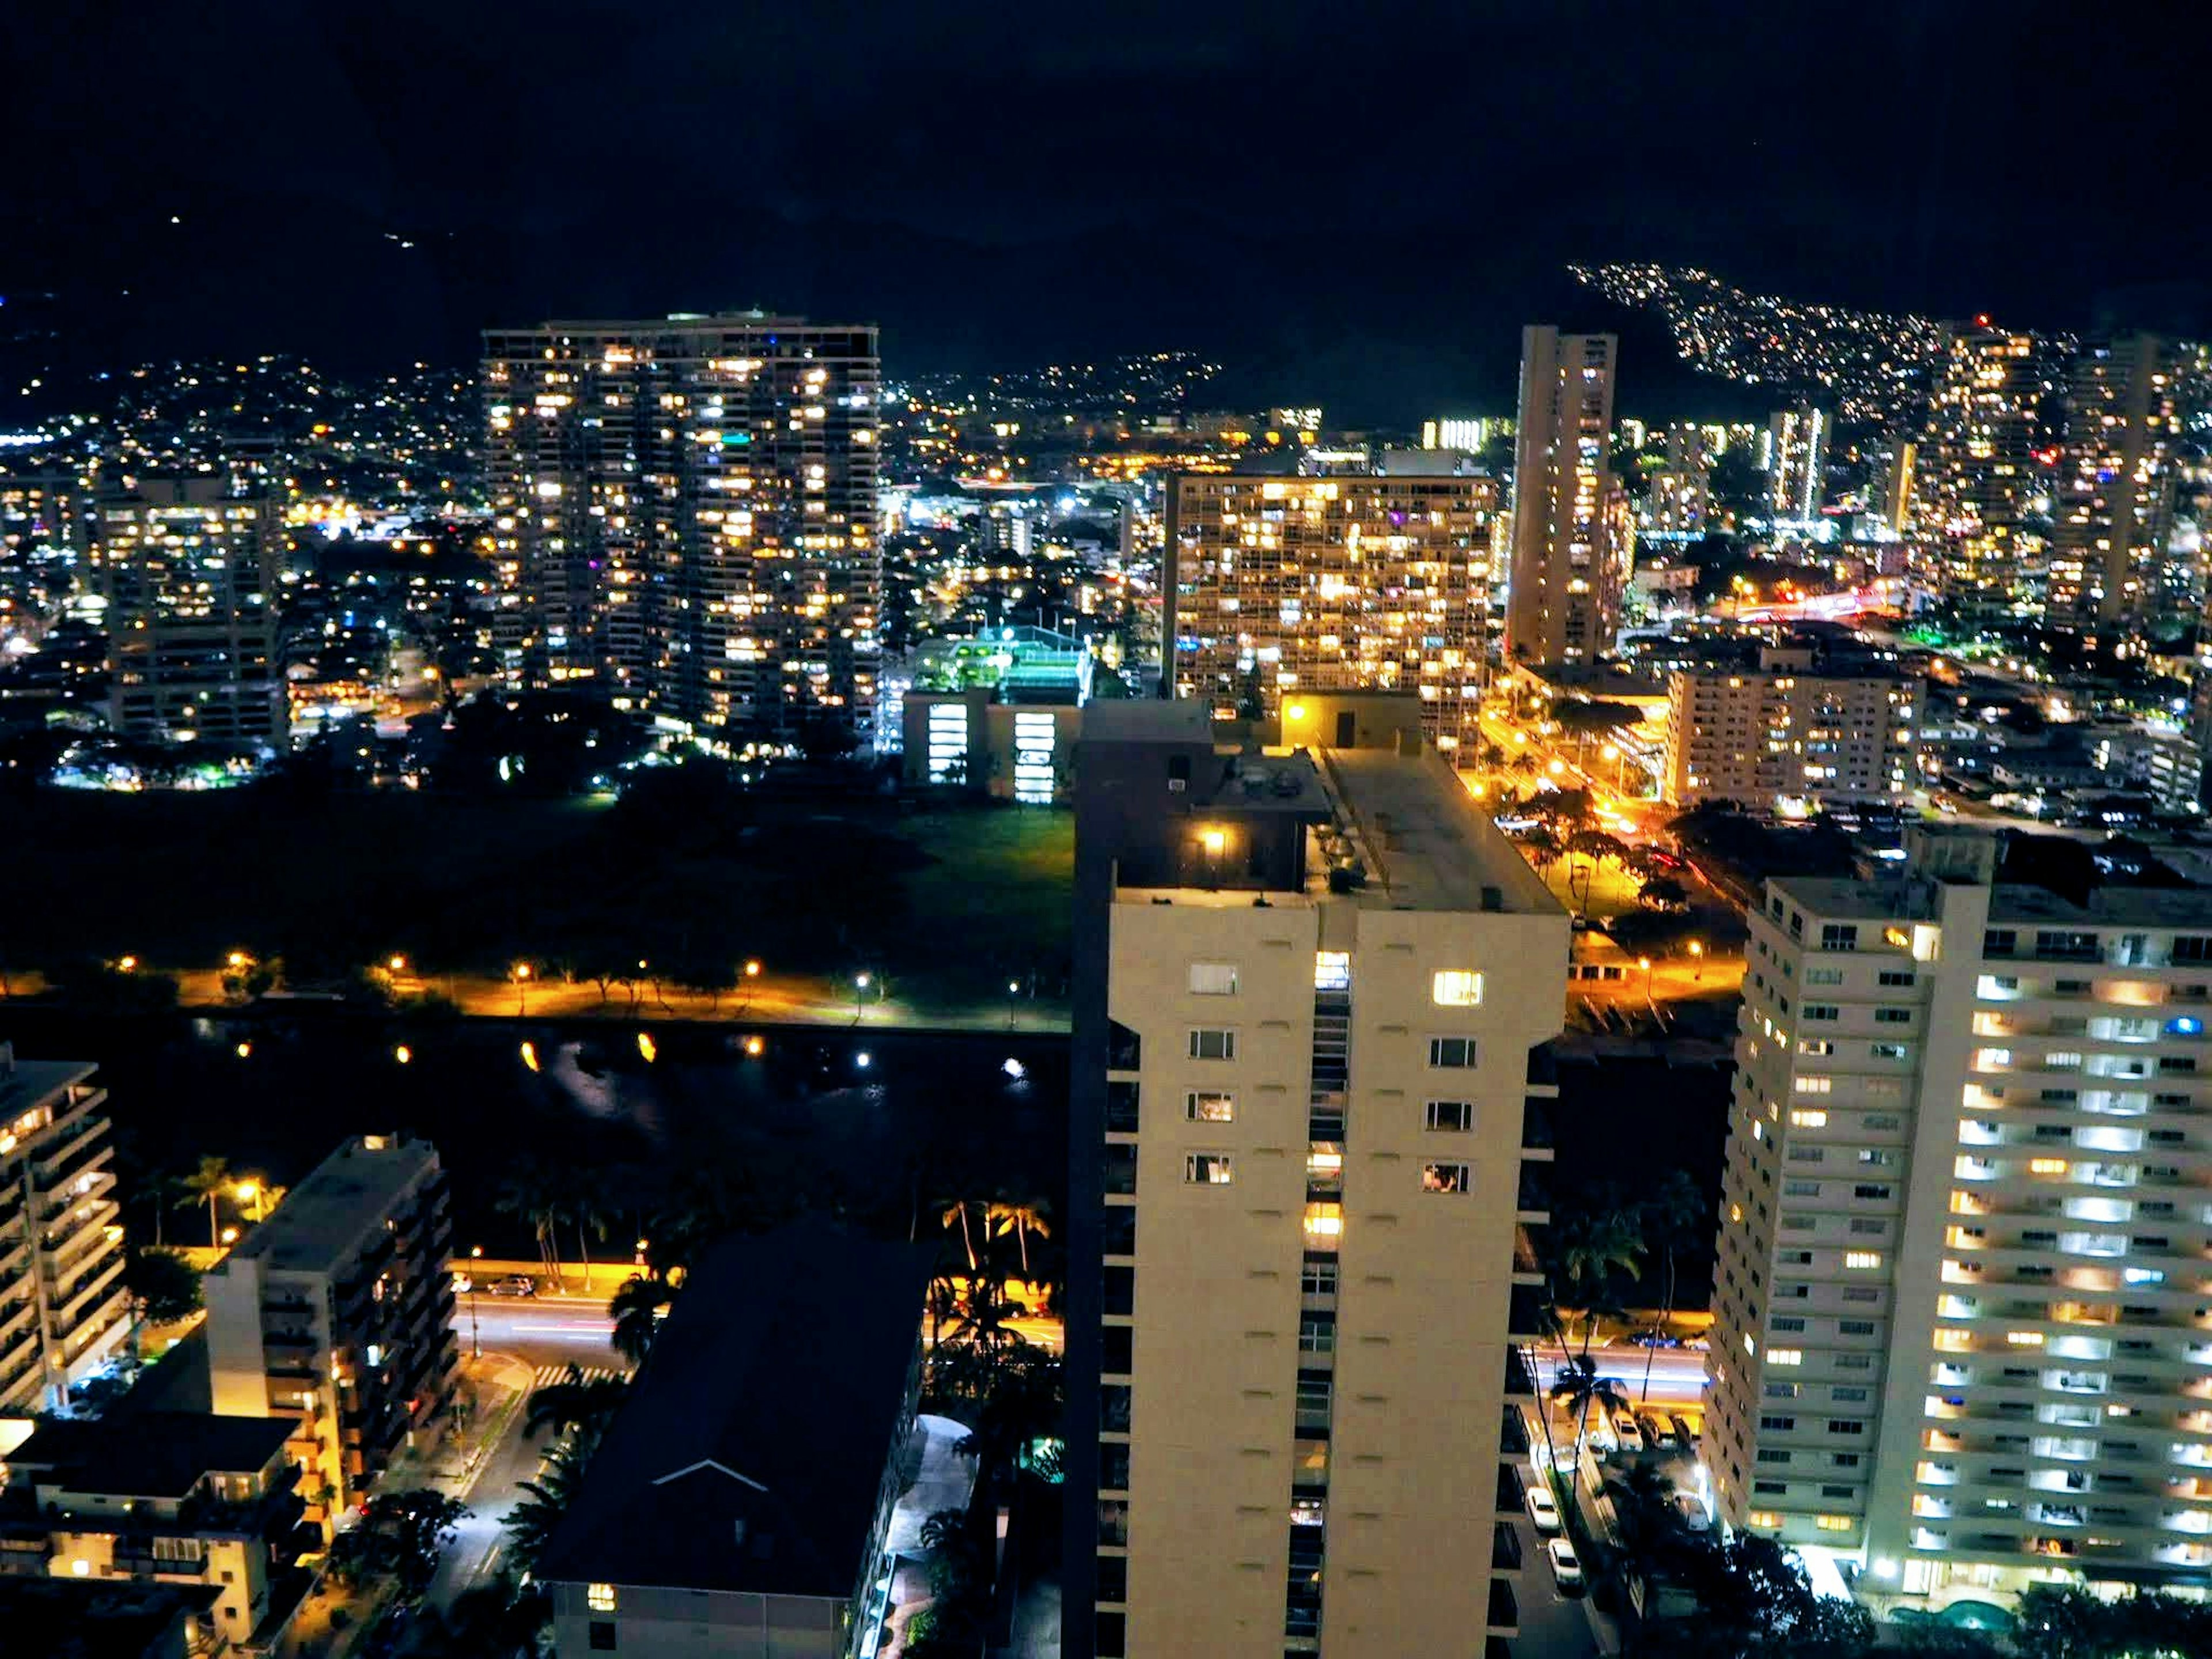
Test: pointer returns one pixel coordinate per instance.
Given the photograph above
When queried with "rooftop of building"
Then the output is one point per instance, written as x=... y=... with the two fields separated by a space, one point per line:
x=117 y=1620
x=679 y=322
x=749 y=1455
x=25 y=1083
x=350 y=1193
x=147 y=1453
x=1428 y=845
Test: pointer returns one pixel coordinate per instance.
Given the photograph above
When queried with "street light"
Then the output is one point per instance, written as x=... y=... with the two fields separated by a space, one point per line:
x=521 y=971
x=248 y=1193
x=475 y=1337
x=128 y=964
x=1697 y=955
x=860 y=983
x=238 y=958
x=398 y=964
x=1644 y=962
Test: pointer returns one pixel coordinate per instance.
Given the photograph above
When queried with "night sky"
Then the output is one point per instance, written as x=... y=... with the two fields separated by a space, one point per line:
x=1361 y=204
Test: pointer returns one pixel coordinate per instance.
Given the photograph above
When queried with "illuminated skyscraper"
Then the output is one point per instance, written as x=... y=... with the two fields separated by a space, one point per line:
x=1980 y=492
x=187 y=570
x=1279 y=586
x=1793 y=451
x=685 y=513
x=2114 y=511
x=1571 y=531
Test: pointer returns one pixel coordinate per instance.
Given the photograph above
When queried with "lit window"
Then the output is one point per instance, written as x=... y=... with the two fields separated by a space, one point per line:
x=1331 y=971
x=2046 y=1166
x=1785 y=1356
x=1324 y=1225
x=1834 y=1524
x=1209 y=1106
x=1206 y=1170
x=2025 y=1338
x=600 y=1598
x=1808 y=1120
x=1457 y=987
x=1213 y=979
x=1814 y=1086
x=1862 y=1258
x=1445 y=1178
x=1762 y=1518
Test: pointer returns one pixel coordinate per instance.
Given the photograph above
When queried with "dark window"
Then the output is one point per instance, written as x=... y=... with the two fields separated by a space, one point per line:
x=1122 y=1108
x=1113 y=1632
x=1316 y=1333
x=1124 y=1050
x=1120 y=1166
x=1113 y=1466
x=2191 y=947
x=1121 y=1289
x=602 y=1636
x=1114 y=1350
x=1119 y=1232
x=1114 y=1407
x=1112 y=1577
x=1999 y=942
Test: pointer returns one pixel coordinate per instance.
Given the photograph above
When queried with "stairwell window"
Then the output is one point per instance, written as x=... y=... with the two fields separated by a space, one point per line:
x=1455 y=988
x=1214 y=1043
x=1457 y=1052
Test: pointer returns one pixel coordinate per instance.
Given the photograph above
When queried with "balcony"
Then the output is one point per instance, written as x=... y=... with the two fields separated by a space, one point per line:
x=1536 y=1126
x=1504 y=1548
x=1505 y=1617
x=1534 y=1203
x=1519 y=1385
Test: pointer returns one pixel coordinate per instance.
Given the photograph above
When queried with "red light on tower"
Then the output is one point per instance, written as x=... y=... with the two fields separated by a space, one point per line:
x=1981 y=319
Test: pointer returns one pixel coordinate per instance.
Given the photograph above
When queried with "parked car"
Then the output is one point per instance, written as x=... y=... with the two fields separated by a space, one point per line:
x=1566 y=1571
x=1684 y=1432
x=1656 y=1433
x=1692 y=1513
x=1626 y=1434
x=1543 y=1509
x=513 y=1284
x=1654 y=1338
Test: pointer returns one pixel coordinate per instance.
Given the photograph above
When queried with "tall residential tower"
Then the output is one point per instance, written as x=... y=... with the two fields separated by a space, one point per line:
x=1570 y=530
x=1309 y=981
x=684 y=514
x=1960 y=1332
x=2113 y=514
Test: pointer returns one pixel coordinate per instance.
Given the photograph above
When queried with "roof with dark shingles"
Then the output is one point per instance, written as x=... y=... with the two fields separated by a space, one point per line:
x=150 y=1454
x=750 y=1454
x=62 y=1619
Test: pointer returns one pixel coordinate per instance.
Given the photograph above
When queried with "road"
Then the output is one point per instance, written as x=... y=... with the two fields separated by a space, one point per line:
x=1678 y=1374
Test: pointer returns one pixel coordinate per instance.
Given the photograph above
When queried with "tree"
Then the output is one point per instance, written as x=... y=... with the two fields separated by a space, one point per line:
x=1020 y=1217
x=531 y=1193
x=165 y=1285
x=208 y=1182
x=1673 y=1216
x=636 y=1309
x=1592 y=1246
x=400 y=1535
x=1542 y=843
x=573 y=1403
x=1578 y=1386
x=583 y=1202
x=954 y=1212
x=1663 y=893
x=531 y=1523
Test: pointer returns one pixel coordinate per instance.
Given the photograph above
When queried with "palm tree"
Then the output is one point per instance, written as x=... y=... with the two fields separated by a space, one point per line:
x=532 y=1521
x=529 y=1193
x=636 y=1309
x=208 y=1182
x=1578 y=1386
x=955 y=1210
x=1592 y=1248
x=1672 y=1217
x=573 y=1403
x=1020 y=1217
x=944 y=1303
x=586 y=1207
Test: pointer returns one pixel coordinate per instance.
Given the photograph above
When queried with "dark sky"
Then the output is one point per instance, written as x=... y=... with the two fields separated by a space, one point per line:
x=1363 y=202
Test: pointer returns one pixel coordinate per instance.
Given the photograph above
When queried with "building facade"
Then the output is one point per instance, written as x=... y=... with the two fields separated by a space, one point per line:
x=1793 y=453
x=685 y=514
x=1788 y=732
x=1571 y=540
x=177 y=1497
x=1980 y=493
x=1353 y=582
x=337 y=1311
x=2113 y=515
x=62 y=1305
x=1959 y=1333
x=1308 y=986
x=186 y=570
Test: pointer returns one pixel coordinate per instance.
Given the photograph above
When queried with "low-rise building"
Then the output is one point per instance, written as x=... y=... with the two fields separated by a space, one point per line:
x=163 y=1496
x=63 y=1306
x=336 y=1311
x=741 y=1502
x=1787 y=734
x=116 y=1619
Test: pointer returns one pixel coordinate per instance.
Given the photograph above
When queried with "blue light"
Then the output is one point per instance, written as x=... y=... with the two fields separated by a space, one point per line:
x=2185 y=1025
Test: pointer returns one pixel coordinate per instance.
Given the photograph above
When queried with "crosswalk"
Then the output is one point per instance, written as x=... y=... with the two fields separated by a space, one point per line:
x=547 y=1376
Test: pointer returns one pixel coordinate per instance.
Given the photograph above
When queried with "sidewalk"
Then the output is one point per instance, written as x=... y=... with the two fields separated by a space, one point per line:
x=450 y=1455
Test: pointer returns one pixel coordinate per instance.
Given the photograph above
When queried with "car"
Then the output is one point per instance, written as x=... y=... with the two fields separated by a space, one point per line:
x=513 y=1284
x=1694 y=1514
x=1543 y=1509
x=1566 y=1570
x=1653 y=1339
x=1656 y=1435
x=1683 y=1432
x=463 y=1283
x=1626 y=1434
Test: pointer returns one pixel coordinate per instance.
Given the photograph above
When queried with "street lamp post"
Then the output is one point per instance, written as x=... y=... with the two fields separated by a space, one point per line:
x=1697 y=955
x=475 y=1336
x=521 y=981
x=860 y=993
x=1644 y=962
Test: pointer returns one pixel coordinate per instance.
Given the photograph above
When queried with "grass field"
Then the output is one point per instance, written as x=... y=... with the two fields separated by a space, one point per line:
x=955 y=901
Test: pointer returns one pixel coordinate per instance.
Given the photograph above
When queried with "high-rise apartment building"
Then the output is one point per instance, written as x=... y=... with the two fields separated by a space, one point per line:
x=337 y=1311
x=1307 y=985
x=1793 y=453
x=62 y=1305
x=1278 y=588
x=1789 y=731
x=187 y=570
x=1961 y=1335
x=684 y=514
x=1571 y=540
x=1981 y=492
x=2113 y=516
